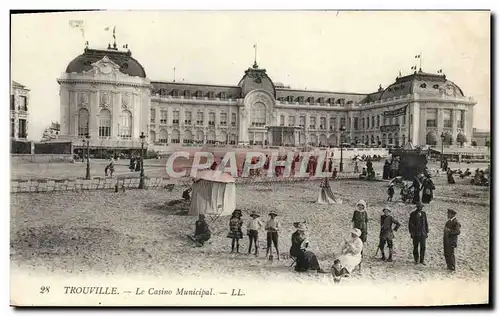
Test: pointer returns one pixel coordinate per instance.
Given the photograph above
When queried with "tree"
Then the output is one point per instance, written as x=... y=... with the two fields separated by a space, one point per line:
x=52 y=132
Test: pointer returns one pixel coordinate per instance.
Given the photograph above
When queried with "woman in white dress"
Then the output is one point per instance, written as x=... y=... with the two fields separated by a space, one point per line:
x=349 y=253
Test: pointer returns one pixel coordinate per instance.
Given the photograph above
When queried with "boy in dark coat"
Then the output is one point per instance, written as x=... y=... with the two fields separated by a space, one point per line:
x=450 y=236
x=419 y=229
x=387 y=232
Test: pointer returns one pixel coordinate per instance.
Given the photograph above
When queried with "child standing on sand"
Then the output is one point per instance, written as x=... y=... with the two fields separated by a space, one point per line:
x=235 y=232
x=390 y=192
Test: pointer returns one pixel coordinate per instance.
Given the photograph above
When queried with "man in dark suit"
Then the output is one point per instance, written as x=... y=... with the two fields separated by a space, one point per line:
x=450 y=236
x=419 y=229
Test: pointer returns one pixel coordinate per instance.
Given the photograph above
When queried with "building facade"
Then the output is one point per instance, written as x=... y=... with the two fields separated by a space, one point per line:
x=19 y=115
x=107 y=94
x=481 y=137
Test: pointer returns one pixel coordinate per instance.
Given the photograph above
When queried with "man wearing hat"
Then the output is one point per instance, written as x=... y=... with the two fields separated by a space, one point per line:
x=272 y=228
x=253 y=232
x=419 y=229
x=386 y=232
x=450 y=236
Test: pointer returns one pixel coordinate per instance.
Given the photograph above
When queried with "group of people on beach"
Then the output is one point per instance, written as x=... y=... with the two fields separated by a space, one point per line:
x=349 y=255
x=279 y=168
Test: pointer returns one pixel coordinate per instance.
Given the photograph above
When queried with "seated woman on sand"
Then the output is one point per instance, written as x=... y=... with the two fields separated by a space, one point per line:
x=305 y=260
x=201 y=231
x=349 y=252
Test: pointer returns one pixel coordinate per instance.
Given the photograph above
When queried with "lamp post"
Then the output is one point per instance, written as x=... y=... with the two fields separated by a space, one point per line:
x=341 y=166
x=141 y=180
x=87 y=172
x=442 y=150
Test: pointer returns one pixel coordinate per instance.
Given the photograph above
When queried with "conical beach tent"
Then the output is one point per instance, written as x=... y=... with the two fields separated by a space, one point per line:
x=214 y=194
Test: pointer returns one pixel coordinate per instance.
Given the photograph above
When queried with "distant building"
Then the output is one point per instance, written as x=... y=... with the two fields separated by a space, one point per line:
x=19 y=100
x=480 y=137
x=107 y=95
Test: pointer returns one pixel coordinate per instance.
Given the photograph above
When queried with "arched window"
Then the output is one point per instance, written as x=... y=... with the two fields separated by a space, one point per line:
x=83 y=122
x=431 y=139
x=200 y=137
x=175 y=93
x=211 y=137
x=461 y=139
x=104 y=124
x=163 y=136
x=232 y=139
x=126 y=125
x=187 y=94
x=176 y=137
x=448 y=139
x=188 y=137
x=152 y=136
x=389 y=139
x=223 y=138
x=258 y=114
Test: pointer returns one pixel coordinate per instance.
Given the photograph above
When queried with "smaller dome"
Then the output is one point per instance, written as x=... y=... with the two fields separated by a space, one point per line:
x=256 y=78
x=128 y=65
x=425 y=83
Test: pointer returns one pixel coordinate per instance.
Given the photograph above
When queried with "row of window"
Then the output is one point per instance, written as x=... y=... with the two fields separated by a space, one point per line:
x=189 y=94
x=365 y=122
x=224 y=95
x=22 y=128
x=200 y=119
x=312 y=100
x=105 y=124
x=188 y=138
x=432 y=118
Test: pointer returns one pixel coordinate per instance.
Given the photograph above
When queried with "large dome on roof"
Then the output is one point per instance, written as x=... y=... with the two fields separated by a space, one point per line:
x=421 y=83
x=128 y=65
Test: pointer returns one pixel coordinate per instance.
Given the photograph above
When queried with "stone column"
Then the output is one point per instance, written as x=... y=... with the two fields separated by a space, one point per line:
x=454 y=125
x=64 y=104
x=116 y=111
x=94 y=110
x=243 y=126
x=440 y=125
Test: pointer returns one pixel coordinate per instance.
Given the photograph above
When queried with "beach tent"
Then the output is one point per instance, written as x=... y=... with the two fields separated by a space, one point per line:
x=214 y=194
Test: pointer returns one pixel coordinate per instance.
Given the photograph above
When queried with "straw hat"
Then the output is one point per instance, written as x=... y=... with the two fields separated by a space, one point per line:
x=273 y=213
x=386 y=209
x=254 y=214
x=356 y=232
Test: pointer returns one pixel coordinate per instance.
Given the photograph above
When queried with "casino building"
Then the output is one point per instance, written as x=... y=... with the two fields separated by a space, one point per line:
x=107 y=95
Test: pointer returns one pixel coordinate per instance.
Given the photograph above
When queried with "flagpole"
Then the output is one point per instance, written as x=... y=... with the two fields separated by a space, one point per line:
x=420 y=61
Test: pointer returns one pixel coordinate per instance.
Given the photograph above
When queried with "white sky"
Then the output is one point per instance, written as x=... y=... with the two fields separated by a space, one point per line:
x=353 y=52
